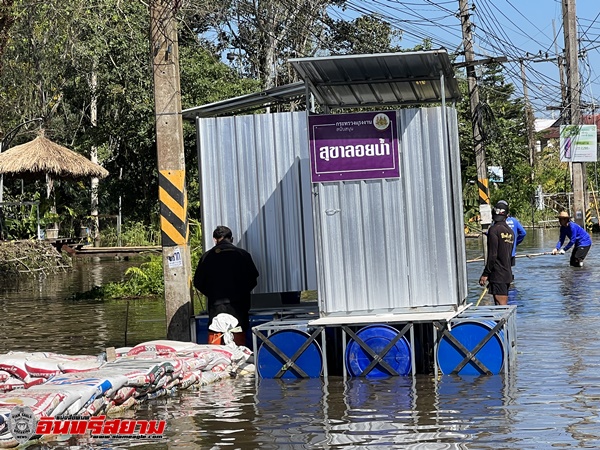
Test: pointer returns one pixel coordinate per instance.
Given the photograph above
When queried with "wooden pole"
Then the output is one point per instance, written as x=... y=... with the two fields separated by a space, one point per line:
x=171 y=166
x=485 y=211
x=573 y=105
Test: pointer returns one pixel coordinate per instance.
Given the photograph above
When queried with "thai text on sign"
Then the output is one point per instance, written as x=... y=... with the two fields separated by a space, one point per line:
x=353 y=146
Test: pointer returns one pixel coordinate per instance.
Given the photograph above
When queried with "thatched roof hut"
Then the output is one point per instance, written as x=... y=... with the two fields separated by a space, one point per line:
x=42 y=157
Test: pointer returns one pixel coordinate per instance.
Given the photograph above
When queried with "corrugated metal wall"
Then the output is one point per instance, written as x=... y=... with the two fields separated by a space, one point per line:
x=255 y=178
x=396 y=243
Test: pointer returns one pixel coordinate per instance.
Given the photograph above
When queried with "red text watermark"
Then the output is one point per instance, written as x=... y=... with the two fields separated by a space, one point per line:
x=99 y=426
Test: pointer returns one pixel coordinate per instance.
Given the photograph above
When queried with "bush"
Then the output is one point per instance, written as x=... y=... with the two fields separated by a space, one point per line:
x=147 y=280
x=133 y=234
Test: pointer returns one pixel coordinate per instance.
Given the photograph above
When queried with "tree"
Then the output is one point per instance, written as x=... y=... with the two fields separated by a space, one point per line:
x=7 y=18
x=365 y=34
x=262 y=35
x=502 y=120
x=54 y=50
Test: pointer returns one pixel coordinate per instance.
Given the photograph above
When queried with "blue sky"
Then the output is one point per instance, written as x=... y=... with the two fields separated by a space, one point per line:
x=513 y=28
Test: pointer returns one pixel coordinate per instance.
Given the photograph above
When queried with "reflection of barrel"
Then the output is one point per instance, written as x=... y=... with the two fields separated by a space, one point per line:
x=377 y=337
x=288 y=342
x=470 y=335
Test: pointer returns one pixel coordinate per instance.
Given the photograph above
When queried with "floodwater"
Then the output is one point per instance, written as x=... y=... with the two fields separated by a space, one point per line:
x=550 y=400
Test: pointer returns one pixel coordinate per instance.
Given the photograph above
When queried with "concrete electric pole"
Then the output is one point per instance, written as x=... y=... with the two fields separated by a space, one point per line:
x=573 y=106
x=485 y=211
x=171 y=166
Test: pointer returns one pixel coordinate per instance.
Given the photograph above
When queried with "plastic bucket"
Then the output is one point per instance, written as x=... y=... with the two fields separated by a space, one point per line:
x=268 y=363
x=377 y=337
x=470 y=334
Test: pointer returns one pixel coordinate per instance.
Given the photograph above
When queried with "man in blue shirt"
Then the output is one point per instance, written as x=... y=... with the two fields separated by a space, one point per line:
x=578 y=237
x=517 y=228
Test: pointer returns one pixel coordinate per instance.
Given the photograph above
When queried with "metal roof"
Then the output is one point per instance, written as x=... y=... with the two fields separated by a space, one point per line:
x=350 y=81
x=380 y=79
x=269 y=97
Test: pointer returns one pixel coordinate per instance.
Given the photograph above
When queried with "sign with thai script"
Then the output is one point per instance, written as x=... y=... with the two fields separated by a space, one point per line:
x=578 y=143
x=353 y=146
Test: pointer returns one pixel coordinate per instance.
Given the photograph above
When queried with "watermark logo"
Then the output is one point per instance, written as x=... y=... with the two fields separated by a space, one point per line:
x=101 y=427
x=22 y=423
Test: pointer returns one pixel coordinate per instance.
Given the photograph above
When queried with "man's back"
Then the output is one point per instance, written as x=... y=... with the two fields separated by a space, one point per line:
x=226 y=271
x=500 y=246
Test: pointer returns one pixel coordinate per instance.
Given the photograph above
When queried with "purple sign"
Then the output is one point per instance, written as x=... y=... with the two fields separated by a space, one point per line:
x=353 y=146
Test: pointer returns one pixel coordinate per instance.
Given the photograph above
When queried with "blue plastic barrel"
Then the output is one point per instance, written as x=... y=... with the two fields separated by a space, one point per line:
x=470 y=334
x=377 y=337
x=256 y=320
x=268 y=363
x=201 y=329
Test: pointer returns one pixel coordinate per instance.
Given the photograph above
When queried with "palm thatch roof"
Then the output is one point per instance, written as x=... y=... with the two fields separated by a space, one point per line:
x=43 y=158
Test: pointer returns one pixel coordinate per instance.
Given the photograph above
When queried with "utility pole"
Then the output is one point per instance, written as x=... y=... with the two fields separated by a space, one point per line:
x=485 y=210
x=561 y=71
x=171 y=167
x=573 y=106
x=529 y=120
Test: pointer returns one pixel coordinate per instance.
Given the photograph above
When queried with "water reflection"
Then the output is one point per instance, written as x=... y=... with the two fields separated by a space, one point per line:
x=39 y=314
x=551 y=398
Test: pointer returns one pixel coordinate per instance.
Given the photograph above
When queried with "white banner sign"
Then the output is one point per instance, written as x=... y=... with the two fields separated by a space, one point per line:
x=578 y=143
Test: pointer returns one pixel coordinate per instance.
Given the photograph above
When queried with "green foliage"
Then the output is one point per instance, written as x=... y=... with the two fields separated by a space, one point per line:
x=365 y=34
x=133 y=234
x=19 y=222
x=61 y=56
x=502 y=121
x=144 y=281
x=147 y=280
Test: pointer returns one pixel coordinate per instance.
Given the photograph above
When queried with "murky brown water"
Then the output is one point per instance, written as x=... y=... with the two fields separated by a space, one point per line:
x=550 y=400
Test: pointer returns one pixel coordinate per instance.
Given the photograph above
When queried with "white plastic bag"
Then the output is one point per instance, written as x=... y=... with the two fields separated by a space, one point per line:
x=226 y=324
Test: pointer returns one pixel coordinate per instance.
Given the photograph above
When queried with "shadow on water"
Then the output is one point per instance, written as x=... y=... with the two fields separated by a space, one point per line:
x=551 y=398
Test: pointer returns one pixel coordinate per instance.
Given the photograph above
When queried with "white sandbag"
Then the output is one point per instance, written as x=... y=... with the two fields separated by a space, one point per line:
x=122 y=395
x=140 y=372
x=122 y=351
x=83 y=365
x=40 y=402
x=14 y=363
x=113 y=408
x=88 y=386
x=11 y=384
x=48 y=365
x=206 y=378
x=95 y=407
x=189 y=379
x=160 y=346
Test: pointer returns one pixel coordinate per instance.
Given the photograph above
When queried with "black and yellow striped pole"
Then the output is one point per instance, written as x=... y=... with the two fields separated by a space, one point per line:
x=485 y=212
x=171 y=167
x=588 y=219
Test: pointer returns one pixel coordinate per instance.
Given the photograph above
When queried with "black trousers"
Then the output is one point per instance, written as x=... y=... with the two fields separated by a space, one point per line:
x=578 y=255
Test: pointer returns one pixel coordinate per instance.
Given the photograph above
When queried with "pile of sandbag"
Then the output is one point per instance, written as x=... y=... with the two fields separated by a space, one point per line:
x=62 y=385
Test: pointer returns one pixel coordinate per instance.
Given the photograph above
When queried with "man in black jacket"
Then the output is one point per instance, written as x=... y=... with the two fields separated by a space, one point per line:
x=498 y=270
x=226 y=275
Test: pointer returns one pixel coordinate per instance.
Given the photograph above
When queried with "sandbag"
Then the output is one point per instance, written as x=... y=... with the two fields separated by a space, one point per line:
x=160 y=347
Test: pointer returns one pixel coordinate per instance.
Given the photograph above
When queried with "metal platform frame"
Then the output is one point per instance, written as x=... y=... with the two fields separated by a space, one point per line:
x=407 y=319
x=262 y=333
x=504 y=318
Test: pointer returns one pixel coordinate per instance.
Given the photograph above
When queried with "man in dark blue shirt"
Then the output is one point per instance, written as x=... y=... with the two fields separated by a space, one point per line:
x=498 y=269
x=518 y=230
x=578 y=237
